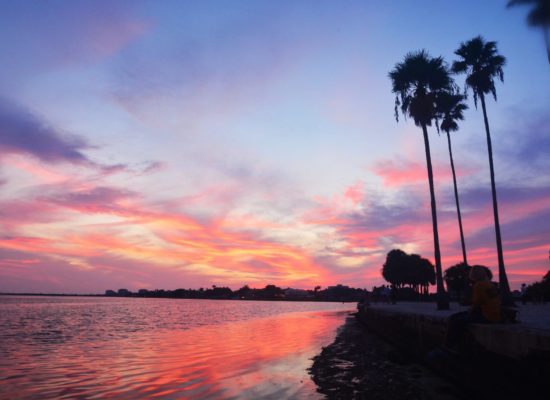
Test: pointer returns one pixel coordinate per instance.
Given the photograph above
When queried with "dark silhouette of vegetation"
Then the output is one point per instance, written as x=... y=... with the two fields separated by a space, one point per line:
x=417 y=81
x=539 y=292
x=451 y=107
x=458 y=281
x=481 y=63
x=456 y=278
x=269 y=292
x=539 y=16
x=401 y=269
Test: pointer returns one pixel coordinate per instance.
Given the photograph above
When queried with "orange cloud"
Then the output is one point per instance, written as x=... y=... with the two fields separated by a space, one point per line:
x=226 y=253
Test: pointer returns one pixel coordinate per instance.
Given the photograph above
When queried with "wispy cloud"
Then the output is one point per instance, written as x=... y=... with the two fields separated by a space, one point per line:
x=59 y=34
x=23 y=132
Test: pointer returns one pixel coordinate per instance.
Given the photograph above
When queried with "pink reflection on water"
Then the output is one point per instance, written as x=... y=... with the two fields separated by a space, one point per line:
x=265 y=357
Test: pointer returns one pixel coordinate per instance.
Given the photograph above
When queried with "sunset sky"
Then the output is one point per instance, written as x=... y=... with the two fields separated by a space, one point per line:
x=167 y=144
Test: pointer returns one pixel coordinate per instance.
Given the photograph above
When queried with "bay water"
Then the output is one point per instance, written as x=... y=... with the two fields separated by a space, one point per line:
x=131 y=348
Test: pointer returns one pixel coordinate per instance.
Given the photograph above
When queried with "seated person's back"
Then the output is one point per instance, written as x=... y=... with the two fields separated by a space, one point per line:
x=486 y=298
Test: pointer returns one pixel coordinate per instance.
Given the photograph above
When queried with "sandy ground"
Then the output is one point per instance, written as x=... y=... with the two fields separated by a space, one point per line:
x=359 y=365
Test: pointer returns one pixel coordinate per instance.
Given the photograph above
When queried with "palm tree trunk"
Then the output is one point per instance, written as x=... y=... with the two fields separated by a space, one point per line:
x=442 y=298
x=456 y=200
x=502 y=278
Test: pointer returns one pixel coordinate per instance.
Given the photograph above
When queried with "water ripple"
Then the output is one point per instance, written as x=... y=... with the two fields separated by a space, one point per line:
x=89 y=348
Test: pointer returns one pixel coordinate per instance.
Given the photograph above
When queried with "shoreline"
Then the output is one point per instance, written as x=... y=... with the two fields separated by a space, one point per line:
x=358 y=365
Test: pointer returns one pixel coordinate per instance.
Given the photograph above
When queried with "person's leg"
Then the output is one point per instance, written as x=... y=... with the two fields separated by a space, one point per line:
x=456 y=327
x=476 y=317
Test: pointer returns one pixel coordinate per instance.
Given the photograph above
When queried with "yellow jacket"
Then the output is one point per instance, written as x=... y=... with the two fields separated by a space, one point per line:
x=485 y=296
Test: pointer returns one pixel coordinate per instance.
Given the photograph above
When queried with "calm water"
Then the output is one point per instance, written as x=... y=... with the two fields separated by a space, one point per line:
x=57 y=347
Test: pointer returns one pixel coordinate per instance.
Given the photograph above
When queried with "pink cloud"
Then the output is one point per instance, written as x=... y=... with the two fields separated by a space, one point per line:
x=355 y=193
x=223 y=252
x=404 y=172
x=400 y=173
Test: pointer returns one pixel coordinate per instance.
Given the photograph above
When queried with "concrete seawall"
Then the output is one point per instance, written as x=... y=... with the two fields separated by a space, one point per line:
x=515 y=355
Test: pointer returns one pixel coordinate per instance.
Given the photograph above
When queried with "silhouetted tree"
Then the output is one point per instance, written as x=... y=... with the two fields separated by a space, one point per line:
x=416 y=82
x=341 y=293
x=244 y=292
x=456 y=277
x=218 y=293
x=392 y=270
x=539 y=16
x=401 y=269
x=178 y=293
x=425 y=272
x=124 y=292
x=271 y=292
x=481 y=63
x=451 y=107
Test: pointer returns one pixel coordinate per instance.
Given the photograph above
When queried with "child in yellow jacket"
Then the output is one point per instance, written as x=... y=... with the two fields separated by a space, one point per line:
x=486 y=307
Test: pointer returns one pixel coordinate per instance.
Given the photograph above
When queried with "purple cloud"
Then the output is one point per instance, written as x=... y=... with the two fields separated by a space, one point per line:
x=520 y=234
x=23 y=132
x=508 y=196
x=379 y=215
x=102 y=197
x=529 y=143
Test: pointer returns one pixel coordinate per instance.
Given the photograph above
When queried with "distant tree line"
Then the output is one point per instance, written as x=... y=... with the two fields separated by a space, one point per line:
x=269 y=292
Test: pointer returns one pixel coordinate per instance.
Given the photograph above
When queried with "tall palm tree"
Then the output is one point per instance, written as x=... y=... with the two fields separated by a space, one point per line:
x=451 y=107
x=416 y=82
x=538 y=16
x=482 y=64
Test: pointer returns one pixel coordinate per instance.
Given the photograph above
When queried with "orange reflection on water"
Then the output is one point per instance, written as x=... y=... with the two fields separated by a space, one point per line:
x=258 y=357
x=265 y=357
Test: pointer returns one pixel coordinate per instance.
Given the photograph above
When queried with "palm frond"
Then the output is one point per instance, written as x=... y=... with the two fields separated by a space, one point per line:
x=450 y=109
x=480 y=61
x=415 y=82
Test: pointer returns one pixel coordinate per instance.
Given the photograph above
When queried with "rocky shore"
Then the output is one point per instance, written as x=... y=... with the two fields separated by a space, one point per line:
x=359 y=365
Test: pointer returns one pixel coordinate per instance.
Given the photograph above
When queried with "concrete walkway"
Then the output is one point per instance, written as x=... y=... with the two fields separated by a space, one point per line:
x=530 y=334
x=534 y=316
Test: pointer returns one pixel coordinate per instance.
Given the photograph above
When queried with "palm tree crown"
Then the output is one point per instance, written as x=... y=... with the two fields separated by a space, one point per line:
x=416 y=82
x=450 y=109
x=482 y=64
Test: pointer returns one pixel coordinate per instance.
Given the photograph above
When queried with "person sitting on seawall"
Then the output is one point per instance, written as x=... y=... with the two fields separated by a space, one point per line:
x=486 y=308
